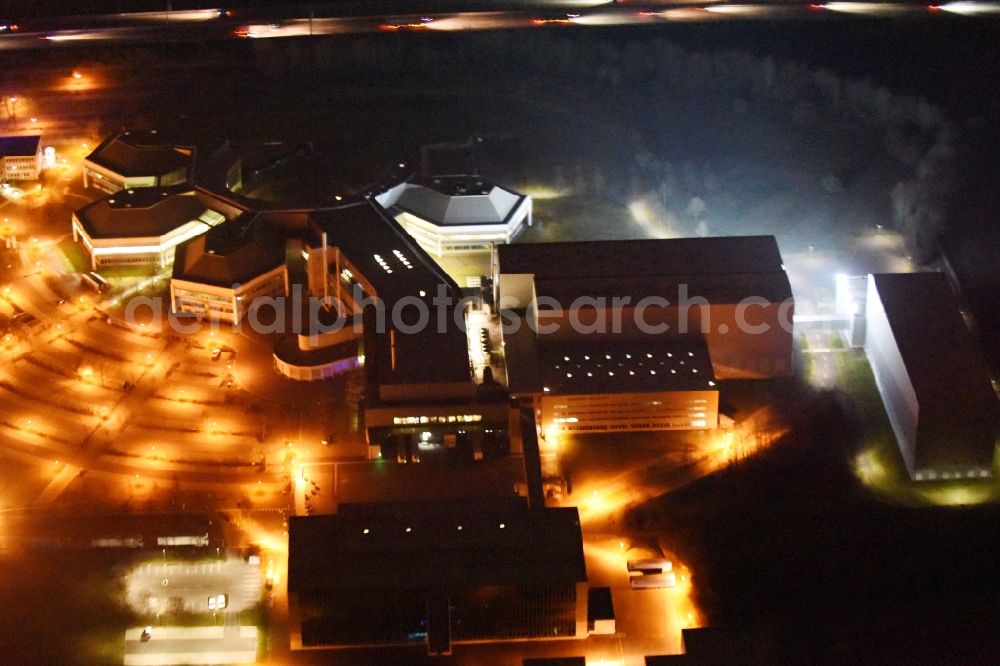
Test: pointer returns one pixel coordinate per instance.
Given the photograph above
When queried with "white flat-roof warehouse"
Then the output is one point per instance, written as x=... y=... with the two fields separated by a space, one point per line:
x=932 y=376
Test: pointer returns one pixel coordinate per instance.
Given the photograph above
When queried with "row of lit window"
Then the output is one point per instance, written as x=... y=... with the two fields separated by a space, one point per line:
x=402 y=258
x=465 y=248
x=382 y=263
x=669 y=425
x=451 y=418
x=199 y=297
x=149 y=258
x=630 y=411
x=931 y=475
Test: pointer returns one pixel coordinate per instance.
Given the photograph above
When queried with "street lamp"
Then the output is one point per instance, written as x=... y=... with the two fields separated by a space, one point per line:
x=11 y=107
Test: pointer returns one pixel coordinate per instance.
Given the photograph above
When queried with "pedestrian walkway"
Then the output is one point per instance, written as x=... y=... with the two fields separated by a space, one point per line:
x=173 y=646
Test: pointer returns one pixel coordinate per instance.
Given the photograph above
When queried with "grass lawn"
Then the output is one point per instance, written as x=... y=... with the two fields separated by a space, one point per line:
x=257 y=617
x=572 y=218
x=790 y=543
x=79 y=612
x=75 y=255
x=879 y=463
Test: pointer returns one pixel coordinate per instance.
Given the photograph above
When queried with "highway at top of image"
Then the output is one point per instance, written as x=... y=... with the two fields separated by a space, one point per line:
x=339 y=18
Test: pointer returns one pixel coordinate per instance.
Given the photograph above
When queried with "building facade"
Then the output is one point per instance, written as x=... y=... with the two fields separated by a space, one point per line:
x=226 y=271
x=635 y=335
x=932 y=377
x=732 y=292
x=226 y=303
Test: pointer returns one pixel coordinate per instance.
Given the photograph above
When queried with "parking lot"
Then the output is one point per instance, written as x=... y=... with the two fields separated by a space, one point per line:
x=169 y=587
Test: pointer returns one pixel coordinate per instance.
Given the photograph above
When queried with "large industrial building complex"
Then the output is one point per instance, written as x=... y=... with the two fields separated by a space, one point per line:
x=661 y=321
x=459 y=343
x=634 y=335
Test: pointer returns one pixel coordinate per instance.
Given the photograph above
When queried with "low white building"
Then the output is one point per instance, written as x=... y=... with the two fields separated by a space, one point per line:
x=457 y=214
x=21 y=157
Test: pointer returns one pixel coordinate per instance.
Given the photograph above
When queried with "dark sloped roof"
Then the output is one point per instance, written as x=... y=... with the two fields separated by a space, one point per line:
x=230 y=254
x=19 y=146
x=426 y=355
x=653 y=257
x=139 y=153
x=947 y=369
x=499 y=543
x=375 y=243
x=398 y=268
x=142 y=212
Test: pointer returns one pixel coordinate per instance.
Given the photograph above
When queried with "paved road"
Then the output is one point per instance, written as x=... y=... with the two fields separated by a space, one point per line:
x=264 y=23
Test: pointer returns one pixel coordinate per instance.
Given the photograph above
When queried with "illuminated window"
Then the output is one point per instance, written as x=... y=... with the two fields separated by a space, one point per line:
x=402 y=258
x=382 y=263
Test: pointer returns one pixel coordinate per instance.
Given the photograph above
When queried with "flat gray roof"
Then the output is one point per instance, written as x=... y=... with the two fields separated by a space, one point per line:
x=945 y=365
x=457 y=200
x=606 y=364
x=434 y=545
x=715 y=288
x=653 y=257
